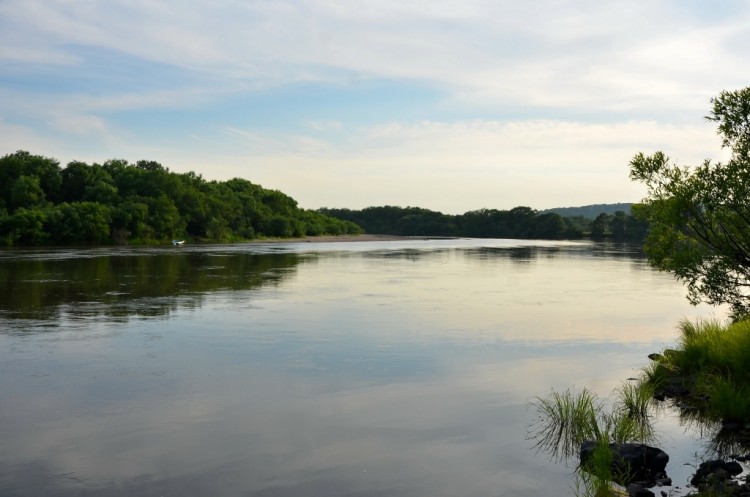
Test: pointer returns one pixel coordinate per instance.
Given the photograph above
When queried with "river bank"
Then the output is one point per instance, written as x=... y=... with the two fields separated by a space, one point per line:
x=349 y=238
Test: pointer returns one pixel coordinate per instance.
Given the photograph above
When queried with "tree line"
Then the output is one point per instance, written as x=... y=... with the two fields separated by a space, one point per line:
x=519 y=222
x=119 y=202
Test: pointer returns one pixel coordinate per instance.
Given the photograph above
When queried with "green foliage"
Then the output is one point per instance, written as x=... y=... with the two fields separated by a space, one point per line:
x=597 y=479
x=25 y=227
x=41 y=180
x=79 y=222
x=550 y=226
x=519 y=222
x=590 y=212
x=715 y=360
x=599 y=226
x=699 y=217
x=565 y=420
x=118 y=202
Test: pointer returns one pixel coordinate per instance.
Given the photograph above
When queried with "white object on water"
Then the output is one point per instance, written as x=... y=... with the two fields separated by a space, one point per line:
x=178 y=242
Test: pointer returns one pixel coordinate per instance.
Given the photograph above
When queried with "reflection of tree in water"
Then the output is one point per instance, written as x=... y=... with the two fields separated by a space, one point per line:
x=130 y=285
x=618 y=250
x=412 y=255
x=720 y=440
x=523 y=254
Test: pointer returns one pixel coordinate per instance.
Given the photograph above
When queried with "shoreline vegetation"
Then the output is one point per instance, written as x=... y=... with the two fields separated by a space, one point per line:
x=362 y=237
x=706 y=379
x=119 y=203
x=699 y=230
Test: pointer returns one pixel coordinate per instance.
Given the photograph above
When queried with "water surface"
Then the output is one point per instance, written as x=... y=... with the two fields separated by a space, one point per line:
x=338 y=369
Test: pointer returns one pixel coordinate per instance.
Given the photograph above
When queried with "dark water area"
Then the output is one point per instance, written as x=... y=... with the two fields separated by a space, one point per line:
x=339 y=369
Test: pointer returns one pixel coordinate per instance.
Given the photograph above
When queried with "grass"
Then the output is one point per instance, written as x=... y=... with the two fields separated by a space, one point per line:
x=566 y=419
x=713 y=360
x=708 y=372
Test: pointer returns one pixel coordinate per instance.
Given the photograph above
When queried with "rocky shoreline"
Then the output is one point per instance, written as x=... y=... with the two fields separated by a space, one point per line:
x=723 y=477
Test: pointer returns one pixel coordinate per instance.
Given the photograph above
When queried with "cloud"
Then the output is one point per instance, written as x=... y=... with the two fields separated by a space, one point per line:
x=487 y=104
x=554 y=54
x=456 y=166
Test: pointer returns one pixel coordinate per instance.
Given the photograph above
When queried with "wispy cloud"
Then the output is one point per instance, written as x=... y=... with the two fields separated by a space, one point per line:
x=506 y=89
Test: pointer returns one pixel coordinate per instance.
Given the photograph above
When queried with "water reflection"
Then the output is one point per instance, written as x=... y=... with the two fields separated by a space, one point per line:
x=117 y=286
x=310 y=369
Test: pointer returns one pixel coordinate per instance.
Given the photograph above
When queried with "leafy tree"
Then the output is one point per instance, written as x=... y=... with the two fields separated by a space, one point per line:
x=79 y=222
x=22 y=163
x=143 y=203
x=129 y=219
x=700 y=217
x=599 y=226
x=75 y=178
x=26 y=192
x=279 y=226
x=550 y=226
x=81 y=182
x=164 y=218
x=637 y=226
x=619 y=225
x=26 y=227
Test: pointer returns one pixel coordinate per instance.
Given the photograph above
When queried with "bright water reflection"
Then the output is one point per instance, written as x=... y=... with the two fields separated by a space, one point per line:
x=390 y=368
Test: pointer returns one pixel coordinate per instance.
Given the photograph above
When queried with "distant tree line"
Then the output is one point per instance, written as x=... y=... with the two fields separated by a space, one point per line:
x=118 y=202
x=519 y=222
x=590 y=211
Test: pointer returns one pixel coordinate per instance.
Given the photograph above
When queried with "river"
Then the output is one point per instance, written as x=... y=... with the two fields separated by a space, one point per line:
x=399 y=368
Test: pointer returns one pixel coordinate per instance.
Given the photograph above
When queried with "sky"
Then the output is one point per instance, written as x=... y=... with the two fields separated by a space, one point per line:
x=447 y=105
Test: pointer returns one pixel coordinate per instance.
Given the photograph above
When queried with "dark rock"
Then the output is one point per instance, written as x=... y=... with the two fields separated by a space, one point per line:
x=630 y=462
x=638 y=490
x=664 y=482
x=676 y=387
x=715 y=472
x=733 y=468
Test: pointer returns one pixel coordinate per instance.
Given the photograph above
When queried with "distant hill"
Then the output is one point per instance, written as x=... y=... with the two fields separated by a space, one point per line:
x=590 y=211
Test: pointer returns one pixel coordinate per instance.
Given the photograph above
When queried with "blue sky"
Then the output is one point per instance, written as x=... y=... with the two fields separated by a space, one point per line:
x=447 y=105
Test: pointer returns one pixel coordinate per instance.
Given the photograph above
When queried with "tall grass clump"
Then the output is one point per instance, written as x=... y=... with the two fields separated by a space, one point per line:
x=728 y=398
x=713 y=360
x=566 y=420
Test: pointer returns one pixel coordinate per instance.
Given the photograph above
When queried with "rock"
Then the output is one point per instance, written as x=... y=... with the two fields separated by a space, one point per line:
x=715 y=472
x=638 y=490
x=733 y=468
x=664 y=482
x=631 y=462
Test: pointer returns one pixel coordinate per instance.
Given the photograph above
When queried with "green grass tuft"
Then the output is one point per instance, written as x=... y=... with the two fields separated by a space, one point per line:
x=566 y=419
x=714 y=360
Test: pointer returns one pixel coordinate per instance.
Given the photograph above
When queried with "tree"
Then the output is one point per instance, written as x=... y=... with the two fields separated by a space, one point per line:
x=599 y=226
x=22 y=163
x=26 y=192
x=140 y=203
x=700 y=217
x=619 y=224
x=550 y=226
